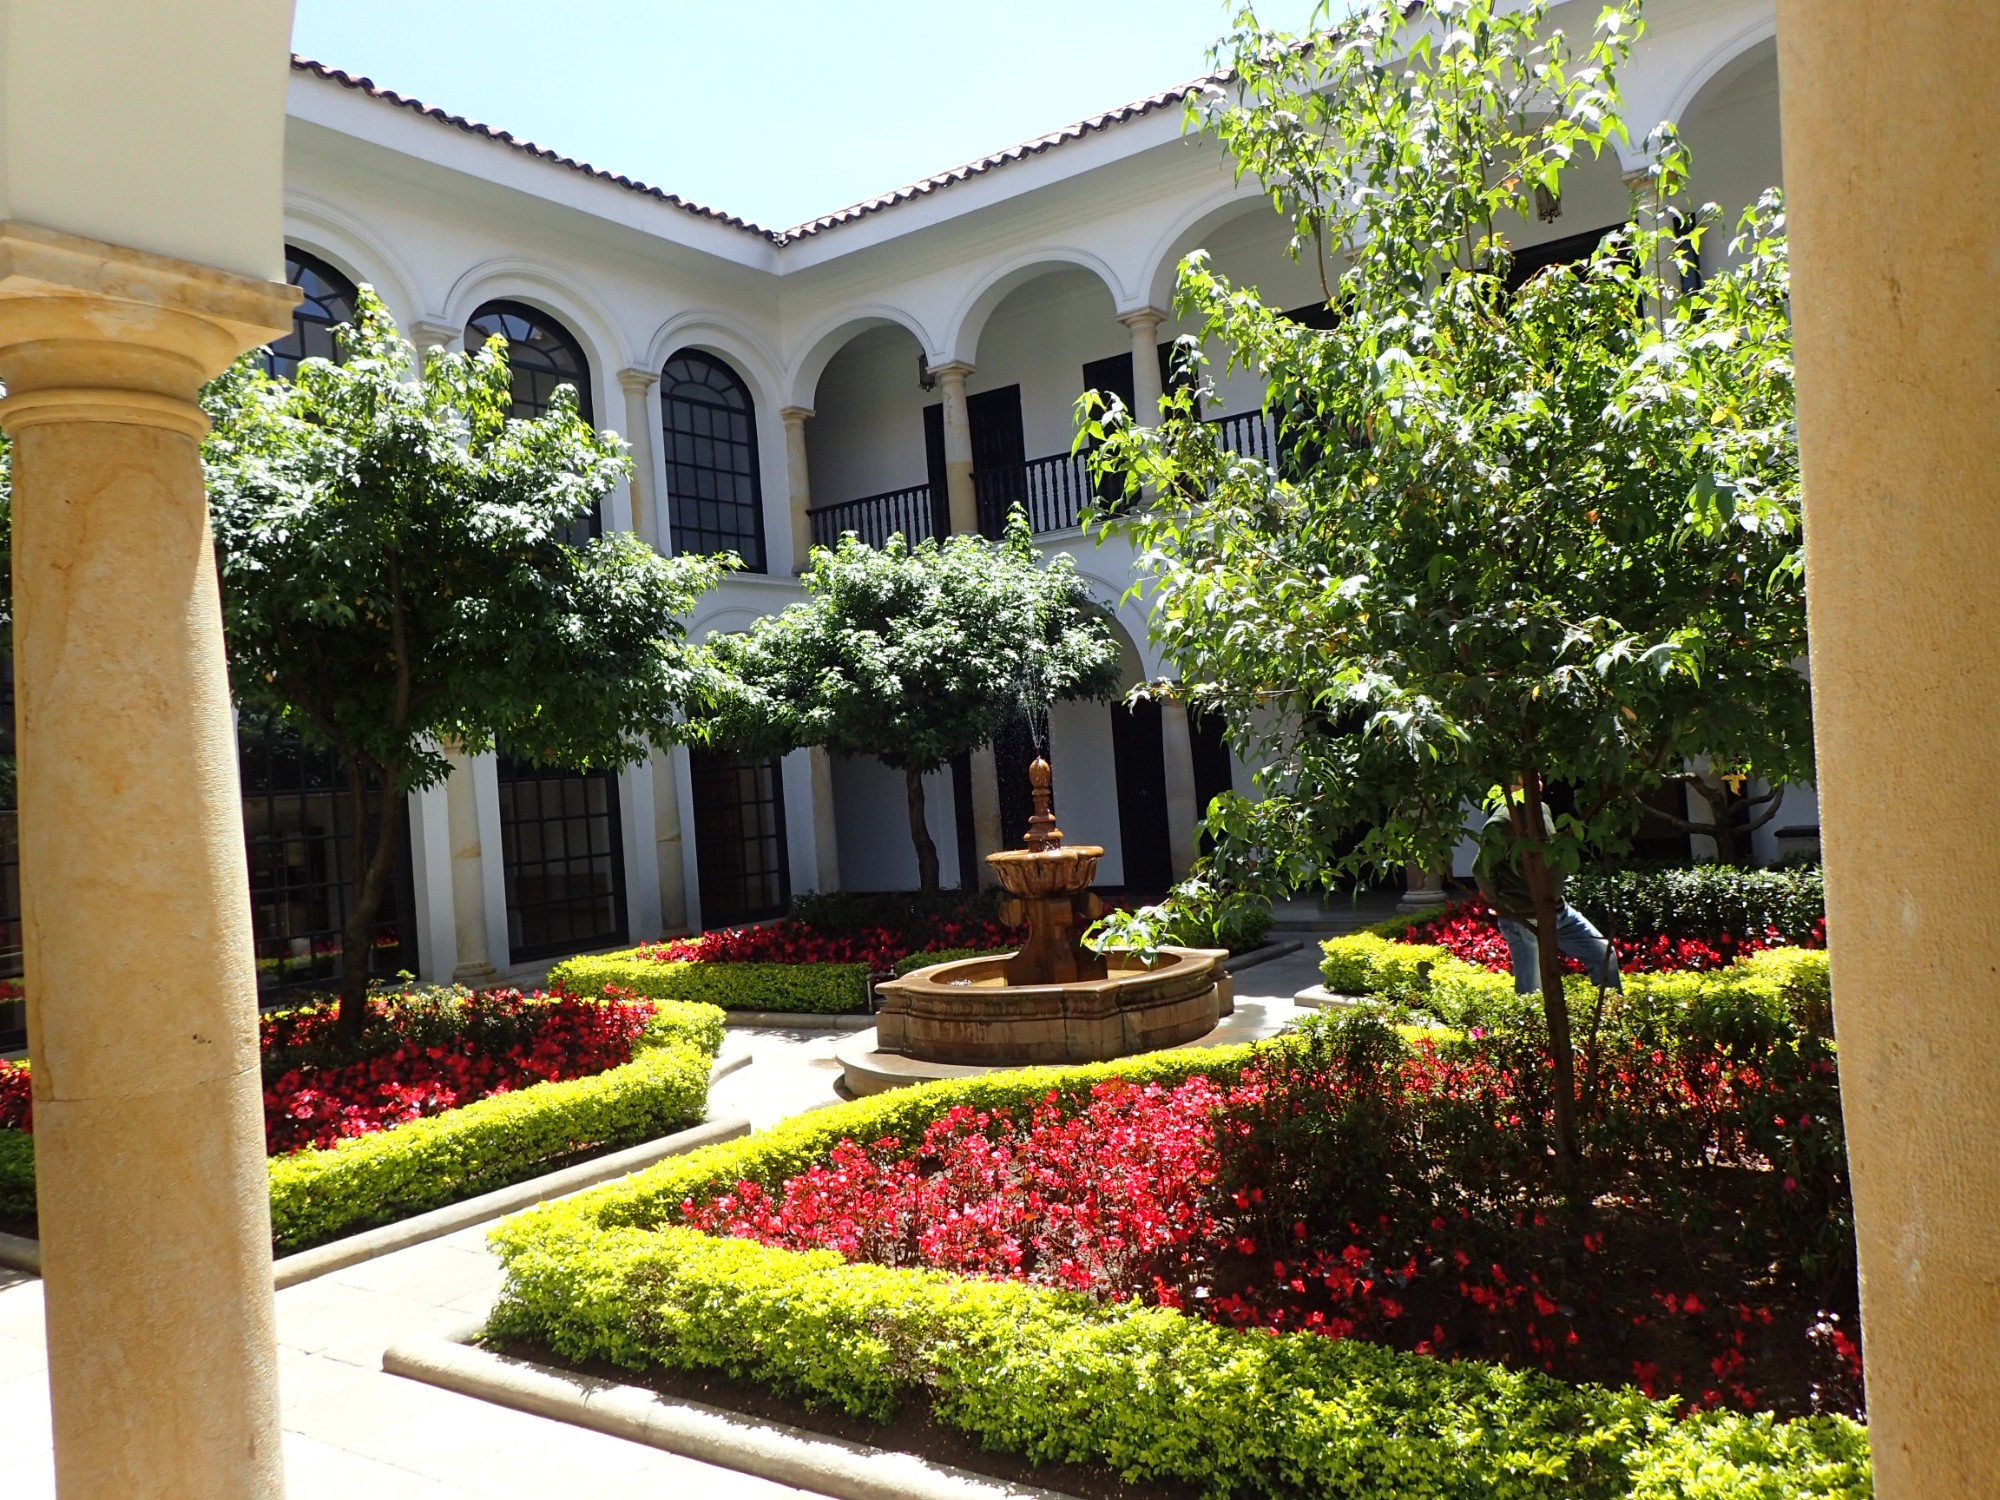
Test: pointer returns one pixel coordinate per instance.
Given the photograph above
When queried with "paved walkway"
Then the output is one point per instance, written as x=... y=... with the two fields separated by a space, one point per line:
x=354 y=1433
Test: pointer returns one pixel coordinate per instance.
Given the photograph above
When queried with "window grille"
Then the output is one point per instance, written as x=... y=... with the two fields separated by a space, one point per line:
x=541 y=355
x=741 y=860
x=709 y=427
x=328 y=301
x=299 y=838
x=564 y=860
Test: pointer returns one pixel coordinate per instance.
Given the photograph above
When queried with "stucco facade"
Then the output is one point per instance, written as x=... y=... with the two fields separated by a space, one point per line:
x=1018 y=273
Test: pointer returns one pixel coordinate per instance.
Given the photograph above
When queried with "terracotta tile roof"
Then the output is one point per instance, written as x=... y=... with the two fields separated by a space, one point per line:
x=1166 y=98
x=919 y=189
x=472 y=127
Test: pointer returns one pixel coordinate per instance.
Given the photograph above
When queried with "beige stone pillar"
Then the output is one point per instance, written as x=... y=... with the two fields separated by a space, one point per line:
x=1895 y=219
x=142 y=1023
x=1422 y=889
x=1144 y=324
x=667 y=844
x=468 y=876
x=1184 y=813
x=798 y=482
x=639 y=424
x=826 y=827
x=963 y=500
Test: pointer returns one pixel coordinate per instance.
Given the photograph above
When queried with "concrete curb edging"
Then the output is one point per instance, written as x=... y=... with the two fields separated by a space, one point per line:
x=21 y=1254
x=1319 y=997
x=709 y=1434
x=796 y=1020
x=1263 y=955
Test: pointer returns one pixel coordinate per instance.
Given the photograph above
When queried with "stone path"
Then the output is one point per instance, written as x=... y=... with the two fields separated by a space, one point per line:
x=352 y=1431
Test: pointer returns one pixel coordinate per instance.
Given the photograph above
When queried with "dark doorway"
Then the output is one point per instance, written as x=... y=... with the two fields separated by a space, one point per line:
x=1113 y=377
x=1139 y=755
x=963 y=822
x=563 y=858
x=934 y=469
x=742 y=863
x=1208 y=737
x=1013 y=748
x=999 y=455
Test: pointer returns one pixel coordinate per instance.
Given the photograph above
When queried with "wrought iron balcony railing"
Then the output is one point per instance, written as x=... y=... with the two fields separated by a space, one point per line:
x=1054 y=491
x=876 y=518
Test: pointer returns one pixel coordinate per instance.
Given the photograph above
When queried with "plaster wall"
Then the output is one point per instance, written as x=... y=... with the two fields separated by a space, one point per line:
x=873 y=822
x=867 y=431
x=1086 y=787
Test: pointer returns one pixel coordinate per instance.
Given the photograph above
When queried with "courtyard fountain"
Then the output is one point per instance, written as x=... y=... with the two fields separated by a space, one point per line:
x=1055 y=1000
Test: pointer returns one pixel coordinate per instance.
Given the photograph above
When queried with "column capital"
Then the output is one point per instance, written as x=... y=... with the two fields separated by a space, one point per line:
x=91 y=332
x=799 y=414
x=1149 y=318
x=432 y=333
x=636 y=380
x=953 y=370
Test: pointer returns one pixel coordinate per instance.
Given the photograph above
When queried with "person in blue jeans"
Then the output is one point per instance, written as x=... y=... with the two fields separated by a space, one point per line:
x=1498 y=871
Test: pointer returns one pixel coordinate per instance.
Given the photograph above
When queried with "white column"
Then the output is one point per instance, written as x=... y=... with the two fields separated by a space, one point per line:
x=798 y=483
x=963 y=499
x=667 y=849
x=1144 y=324
x=638 y=819
x=429 y=813
x=690 y=855
x=986 y=828
x=646 y=510
x=1183 y=813
x=826 y=831
x=474 y=964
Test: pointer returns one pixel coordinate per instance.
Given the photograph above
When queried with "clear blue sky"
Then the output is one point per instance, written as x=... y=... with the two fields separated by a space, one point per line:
x=774 y=109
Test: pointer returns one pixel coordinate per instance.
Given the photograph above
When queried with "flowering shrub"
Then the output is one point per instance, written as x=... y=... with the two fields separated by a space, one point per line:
x=792 y=942
x=423 y=1053
x=539 y=1039
x=17 y=1104
x=1468 y=931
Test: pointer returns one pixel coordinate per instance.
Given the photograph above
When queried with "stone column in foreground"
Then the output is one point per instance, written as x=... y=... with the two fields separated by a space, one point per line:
x=468 y=875
x=641 y=417
x=1895 y=223
x=798 y=482
x=142 y=1022
x=962 y=498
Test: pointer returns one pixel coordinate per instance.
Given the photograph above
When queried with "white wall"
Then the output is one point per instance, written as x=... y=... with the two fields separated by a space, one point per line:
x=867 y=431
x=1086 y=783
x=873 y=824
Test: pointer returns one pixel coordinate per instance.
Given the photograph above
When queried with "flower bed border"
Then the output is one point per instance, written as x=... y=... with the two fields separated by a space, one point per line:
x=318 y=1195
x=1145 y=1391
x=816 y=989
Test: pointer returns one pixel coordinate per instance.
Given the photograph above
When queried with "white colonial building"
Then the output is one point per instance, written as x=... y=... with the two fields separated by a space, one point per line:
x=908 y=363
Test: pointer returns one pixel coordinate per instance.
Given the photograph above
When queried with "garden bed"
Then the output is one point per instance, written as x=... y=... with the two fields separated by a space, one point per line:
x=1152 y=1268
x=447 y=1096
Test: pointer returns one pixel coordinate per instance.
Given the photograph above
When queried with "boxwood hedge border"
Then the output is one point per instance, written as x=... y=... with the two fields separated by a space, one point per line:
x=1148 y=1392
x=817 y=989
x=318 y=1195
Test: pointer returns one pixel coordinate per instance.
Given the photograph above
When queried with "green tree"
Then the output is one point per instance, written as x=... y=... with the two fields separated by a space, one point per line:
x=912 y=655
x=396 y=578
x=1520 y=534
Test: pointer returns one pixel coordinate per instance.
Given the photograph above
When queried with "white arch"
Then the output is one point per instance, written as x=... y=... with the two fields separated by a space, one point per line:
x=1124 y=611
x=352 y=248
x=1163 y=261
x=715 y=333
x=962 y=334
x=726 y=619
x=542 y=286
x=1718 y=59
x=802 y=386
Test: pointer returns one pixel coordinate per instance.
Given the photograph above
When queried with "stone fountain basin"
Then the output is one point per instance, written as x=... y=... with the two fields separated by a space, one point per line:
x=966 y=1012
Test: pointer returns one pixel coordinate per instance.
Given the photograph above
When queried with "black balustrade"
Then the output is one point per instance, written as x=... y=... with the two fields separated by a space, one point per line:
x=876 y=518
x=1250 y=434
x=1054 y=491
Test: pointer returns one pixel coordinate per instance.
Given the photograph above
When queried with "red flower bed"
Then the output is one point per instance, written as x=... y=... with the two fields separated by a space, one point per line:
x=17 y=1105
x=1403 y=1200
x=423 y=1055
x=790 y=942
x=1468 y=931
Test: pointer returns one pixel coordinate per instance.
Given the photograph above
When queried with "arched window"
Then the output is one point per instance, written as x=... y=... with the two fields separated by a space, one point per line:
x=715 y=499
x=329 y=300
x=541 y=355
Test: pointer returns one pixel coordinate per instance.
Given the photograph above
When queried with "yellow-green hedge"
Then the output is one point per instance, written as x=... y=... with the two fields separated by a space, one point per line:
x=822 y=989
x=321 y=1194
x=1155 y=1395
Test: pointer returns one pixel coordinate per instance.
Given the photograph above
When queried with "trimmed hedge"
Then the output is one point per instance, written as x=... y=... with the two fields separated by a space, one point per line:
x=1153 y=1394
x=319 y=1195
x=1704 y=900
x=916 y=961
x=821 y=989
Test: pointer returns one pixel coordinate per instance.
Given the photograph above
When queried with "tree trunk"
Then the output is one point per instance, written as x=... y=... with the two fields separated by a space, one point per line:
x=371 y=880
x=920 y=833
x=1555 y=1007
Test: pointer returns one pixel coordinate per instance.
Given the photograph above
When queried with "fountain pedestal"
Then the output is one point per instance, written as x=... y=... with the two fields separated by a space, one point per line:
x=1054 y=1000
